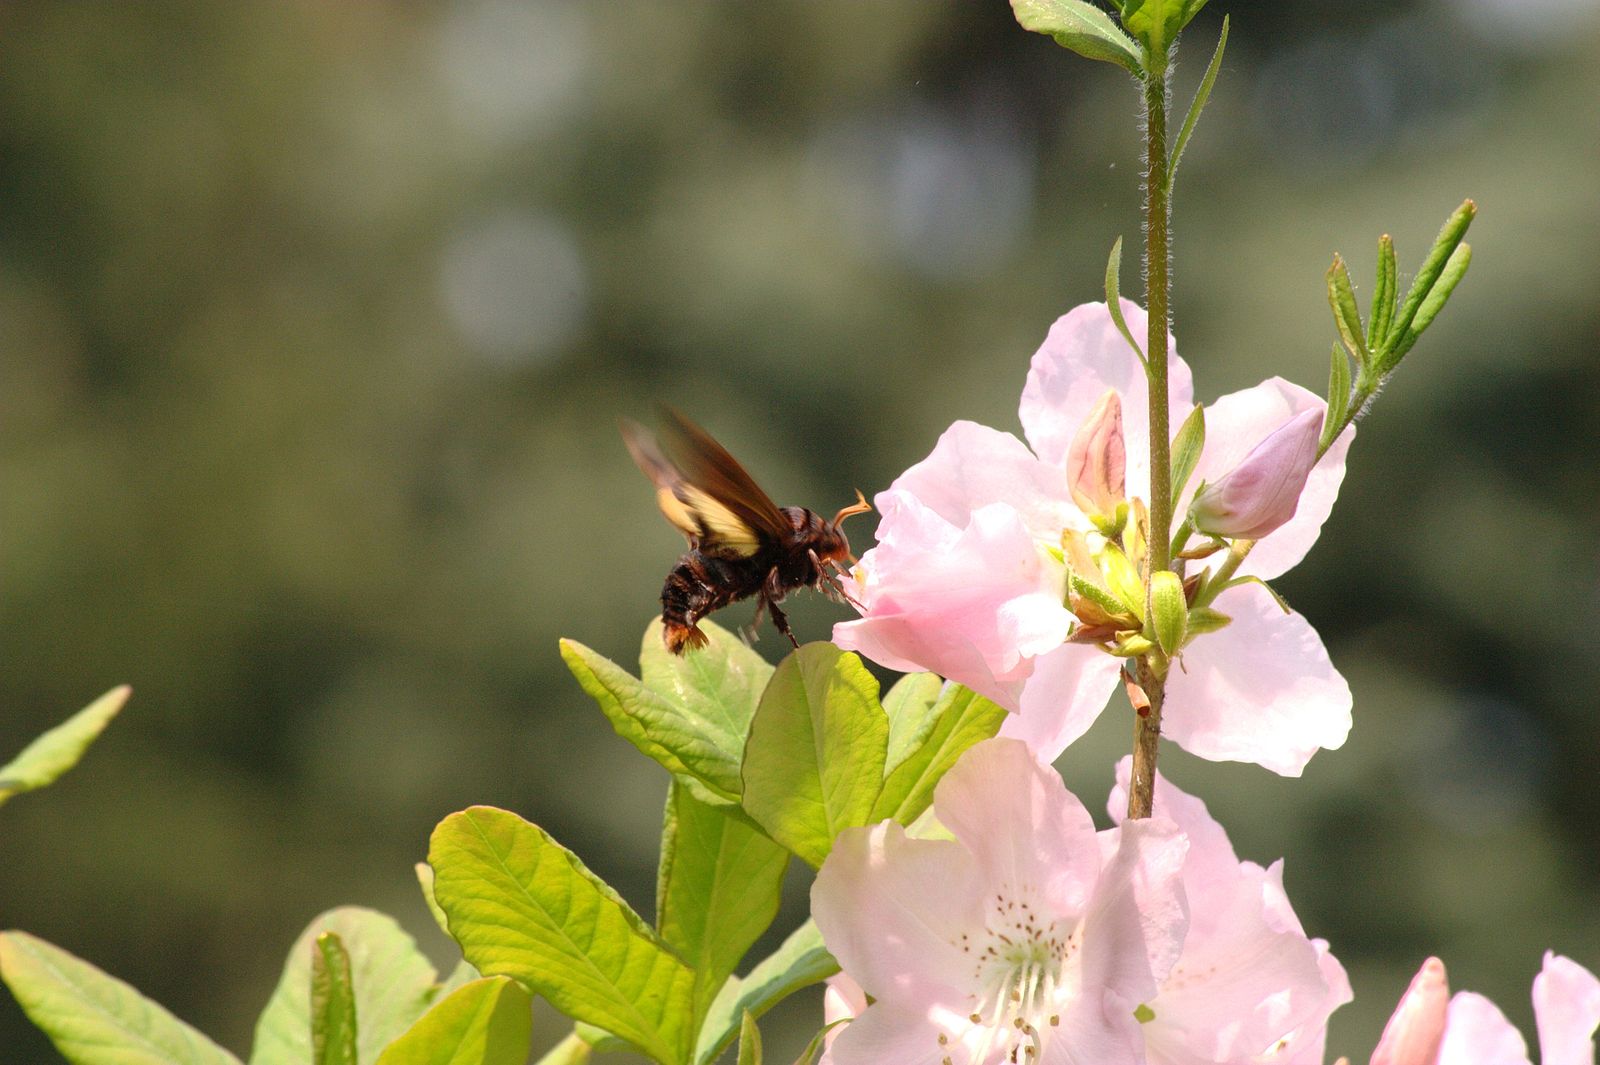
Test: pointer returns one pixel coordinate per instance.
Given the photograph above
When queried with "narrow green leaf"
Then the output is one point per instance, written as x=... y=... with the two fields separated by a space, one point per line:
x=1454 y=270
x=523 y=906
x=44 y=760
x=485 y=1022
x=801 y=961
x=1187 y=445
x=963 y=718
x=394 y=983
x=749 y=1041
x=333 y=1004
x=573 y=1050
x=1342 y=298
x=717 y=891
x=689 y=747
x=910 y=706
x=1122 y=578
x=1444 y=246
x=814 y=1047
x=93 y=1018
x=1383 y=295
x=814 y=763
x=1114 y=301
x=1338 y=395
x=1087 y=589
x=1081 y=27
x=1197 y=105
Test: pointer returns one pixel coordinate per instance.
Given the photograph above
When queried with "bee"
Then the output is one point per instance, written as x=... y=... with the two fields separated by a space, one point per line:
x=741 y=543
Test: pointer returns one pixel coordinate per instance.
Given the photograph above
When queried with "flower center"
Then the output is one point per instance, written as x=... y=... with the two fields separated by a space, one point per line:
x=1019 y=976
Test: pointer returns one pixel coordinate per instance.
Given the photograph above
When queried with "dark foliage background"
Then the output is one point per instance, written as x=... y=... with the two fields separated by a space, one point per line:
x=316 y=320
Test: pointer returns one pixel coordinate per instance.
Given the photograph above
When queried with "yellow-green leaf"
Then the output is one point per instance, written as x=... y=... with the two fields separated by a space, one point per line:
x=485 y=1022
x=58 y=750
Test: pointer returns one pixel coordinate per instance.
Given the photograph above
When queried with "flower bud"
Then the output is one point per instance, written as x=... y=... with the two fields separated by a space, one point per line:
x=1169 y=613
x=1413 y=1034
x=1097 y=461
x=1261 y=493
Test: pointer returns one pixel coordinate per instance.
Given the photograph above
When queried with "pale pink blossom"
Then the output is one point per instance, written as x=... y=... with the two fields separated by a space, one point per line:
x=968 y=578
x=1249 y=986
x=1020 y=939
x=1470 y=1030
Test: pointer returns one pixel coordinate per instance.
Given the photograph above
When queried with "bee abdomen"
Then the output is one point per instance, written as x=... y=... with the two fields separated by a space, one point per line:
x=689 y=594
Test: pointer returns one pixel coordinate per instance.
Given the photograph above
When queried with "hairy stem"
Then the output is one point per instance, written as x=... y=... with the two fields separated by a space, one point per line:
x=1158 y=251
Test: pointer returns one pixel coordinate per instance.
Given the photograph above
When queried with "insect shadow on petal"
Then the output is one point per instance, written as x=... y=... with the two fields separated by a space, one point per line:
x=741 y=543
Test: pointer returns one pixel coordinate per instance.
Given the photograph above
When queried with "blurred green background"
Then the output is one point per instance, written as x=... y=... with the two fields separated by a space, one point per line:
x=316 y=320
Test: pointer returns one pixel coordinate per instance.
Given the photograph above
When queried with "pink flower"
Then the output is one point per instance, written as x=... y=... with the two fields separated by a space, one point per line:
x=1468 y=1029
x=1024 y=935
x=1249 y=986
x=1260 y=494
x=968 y=578
x=842 y=1000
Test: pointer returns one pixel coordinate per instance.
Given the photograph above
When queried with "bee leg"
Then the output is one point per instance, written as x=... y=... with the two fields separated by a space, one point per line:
x=750 y=633
x=831 y=586
x=782 y=622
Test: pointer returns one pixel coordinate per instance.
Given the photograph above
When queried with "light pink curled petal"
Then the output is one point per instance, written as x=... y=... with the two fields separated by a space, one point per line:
x=842 y=1000
x=1082 y=356
x=1235 y=424
x=1416 y=1028
x=973 y=466
x=1062 y=698
x=1306 y=1045
x=1242 y=985
x=1260 y=690
x=903 y=1032
x=891 y=909
x=1139 y=917
x=1031 y=838
x=1211 y=856
x=1566 y=1005
x=1477 y=1033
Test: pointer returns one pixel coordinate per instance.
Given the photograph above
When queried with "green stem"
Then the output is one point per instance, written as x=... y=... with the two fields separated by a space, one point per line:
x=1158 y=251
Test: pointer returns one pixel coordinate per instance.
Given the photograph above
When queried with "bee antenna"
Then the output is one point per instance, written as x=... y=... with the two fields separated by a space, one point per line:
x=860 y=506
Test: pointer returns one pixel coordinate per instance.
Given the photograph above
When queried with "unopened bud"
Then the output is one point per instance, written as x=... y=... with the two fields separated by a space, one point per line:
x=1413 y=1034
x=1169 y=613
x=1097 y=461
x=1261 y=493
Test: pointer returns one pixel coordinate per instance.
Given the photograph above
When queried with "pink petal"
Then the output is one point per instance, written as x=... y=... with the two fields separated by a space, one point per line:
x=1566 y=1005
x=1477 y=1033
x=1068 y=689
x=891 y=909
x=1081 y=357
x=842 y=999
x=1306 y=1045
x=973 y=466
x=894 y=1032
x=1235 y=424
x=1136 y=929
x=1211 y=856
x=1261 y=690
x=1023 y=827
x=1416 y=1028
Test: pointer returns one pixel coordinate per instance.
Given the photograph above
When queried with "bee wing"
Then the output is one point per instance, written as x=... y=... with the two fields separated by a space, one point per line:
x=715 y=518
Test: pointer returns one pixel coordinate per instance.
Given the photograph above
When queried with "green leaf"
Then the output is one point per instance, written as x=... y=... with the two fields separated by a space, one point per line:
x=718 y=889
x=1114 y=301
x=689 y=747
x=1338 y=395
x=424 y=873
x=1157 y=23
x=393 y=982
x=1444 y=247
x=910 y=706
x=58 y=750
x=1198 y=104
x=523 y=906
x=1381 y=314
x=1454 y=270
x=809 y=1054
x=814 y=763
x=1122 y=578
x=1082 y=27
x=333 y=1004
x=717 y=687
x=962 y=718
x=485 y=1022
x=801 y=961
x=749 y=1041
x=93 y=1018
x=1187 y=445
x=1097 y=595
x=573 y=1050
x=1342 y=298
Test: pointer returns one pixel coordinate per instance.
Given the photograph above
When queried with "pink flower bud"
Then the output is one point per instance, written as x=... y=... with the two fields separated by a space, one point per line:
x=1413 y=1034
x=1097 y=461
x=1261 y=493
